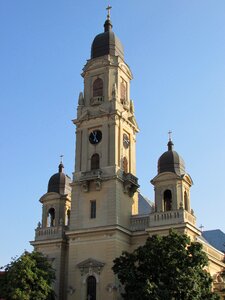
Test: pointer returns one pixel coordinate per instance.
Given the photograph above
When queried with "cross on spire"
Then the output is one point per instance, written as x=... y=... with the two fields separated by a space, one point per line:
x=61 y=167
x=108 y=14
x=170 y=143
x=201 y=227
x=170 y=135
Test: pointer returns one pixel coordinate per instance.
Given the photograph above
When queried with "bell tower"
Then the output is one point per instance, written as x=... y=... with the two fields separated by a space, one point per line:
x=104 y=183
x=172 y=196
x=106 y=130
x=50 y=236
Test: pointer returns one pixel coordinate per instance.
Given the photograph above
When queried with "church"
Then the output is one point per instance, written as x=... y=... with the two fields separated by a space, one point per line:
x=89 y=219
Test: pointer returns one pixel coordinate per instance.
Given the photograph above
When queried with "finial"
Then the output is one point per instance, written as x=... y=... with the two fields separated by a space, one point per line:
x=108 y=24
x=170 y=143
x=108 y=14
x=61 y=166
x=170 y=135
x=201 y=227
x=81 y=99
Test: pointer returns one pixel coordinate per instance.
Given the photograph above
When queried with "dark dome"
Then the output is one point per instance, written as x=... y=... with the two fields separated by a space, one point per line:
x=171 y=161
x=107 y=43
x=59 y=182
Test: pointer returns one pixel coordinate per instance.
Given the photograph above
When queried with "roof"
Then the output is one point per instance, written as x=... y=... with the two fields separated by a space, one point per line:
x=107 y=43
x=145 y=206
x=59 y=182
x=171 y=161
x=216 y=238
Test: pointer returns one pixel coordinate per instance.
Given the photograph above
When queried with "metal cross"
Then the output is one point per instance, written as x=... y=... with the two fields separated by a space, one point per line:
x=201 y=227
x=170 y=135
x=108 y=8
x=61 y=156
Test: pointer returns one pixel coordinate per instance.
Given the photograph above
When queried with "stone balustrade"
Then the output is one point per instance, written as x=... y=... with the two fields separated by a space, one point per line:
x=171 y=217
x=131 y=178
x=190 y=217
x=91 y=175
x=54 y=232
x=139 y=222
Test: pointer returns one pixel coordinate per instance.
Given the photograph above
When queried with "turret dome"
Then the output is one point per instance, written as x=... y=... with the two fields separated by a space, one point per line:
x=59 y=182
x=107 y=43
x=171 y=161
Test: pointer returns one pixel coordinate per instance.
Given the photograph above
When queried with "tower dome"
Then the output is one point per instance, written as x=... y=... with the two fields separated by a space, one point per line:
x=59 y=182
x=107 y=42
x=171 y=161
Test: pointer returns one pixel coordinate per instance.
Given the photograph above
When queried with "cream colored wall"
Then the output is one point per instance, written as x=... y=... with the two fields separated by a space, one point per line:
x=106 y=236
x=56 y=252
x=176 y=184
x=61 y=203
x=102 y=246
x=113 y=206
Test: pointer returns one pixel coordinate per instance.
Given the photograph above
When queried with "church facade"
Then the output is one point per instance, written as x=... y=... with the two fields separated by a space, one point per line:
x=90 y=219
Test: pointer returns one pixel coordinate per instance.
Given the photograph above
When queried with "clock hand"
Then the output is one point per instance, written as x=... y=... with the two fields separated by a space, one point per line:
x=95 y=136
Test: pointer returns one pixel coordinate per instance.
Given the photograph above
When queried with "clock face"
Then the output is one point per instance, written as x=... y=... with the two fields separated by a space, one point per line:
x=126 y=141
x=95 y=137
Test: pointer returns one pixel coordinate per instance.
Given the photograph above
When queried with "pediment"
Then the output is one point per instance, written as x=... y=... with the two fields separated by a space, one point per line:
x=90 y=263
x=84 y=115
x=165 y=176
x=133 y=121
x=50 y=196
x=188 y=179
x=96 y=63
x=126 y=69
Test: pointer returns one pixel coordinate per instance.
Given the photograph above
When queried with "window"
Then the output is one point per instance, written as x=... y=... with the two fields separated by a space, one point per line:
x=98 y=87
x=125 y=165
x=123 y=92
x=51 y=217
x=67 y=222
x=95 y=161
x=93 y=209
x=167 y=200
x=91 y=288
x=185 y=201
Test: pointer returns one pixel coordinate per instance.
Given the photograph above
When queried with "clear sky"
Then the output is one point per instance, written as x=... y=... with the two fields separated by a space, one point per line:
x=176 y=51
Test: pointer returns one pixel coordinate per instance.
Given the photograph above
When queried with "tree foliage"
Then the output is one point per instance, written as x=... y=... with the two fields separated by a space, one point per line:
x=169 y=267
x=28 y=277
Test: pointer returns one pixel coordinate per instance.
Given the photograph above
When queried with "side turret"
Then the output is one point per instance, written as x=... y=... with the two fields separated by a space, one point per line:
x=172 y=183
x=56 y=202
x=172 y=196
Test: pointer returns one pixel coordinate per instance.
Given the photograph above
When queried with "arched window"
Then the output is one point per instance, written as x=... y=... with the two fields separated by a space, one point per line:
x=67 y=222
x=186 y=206
x=91 y=288
x=125 y=165
x=123 y=92
x=95 y=161
x=51 y=217
x=98 y=87
x=167 y=197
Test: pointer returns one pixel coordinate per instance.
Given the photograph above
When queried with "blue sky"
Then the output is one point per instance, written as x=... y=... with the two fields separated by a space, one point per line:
x=176 y=51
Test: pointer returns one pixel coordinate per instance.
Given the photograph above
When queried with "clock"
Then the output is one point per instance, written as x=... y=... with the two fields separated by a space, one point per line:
x=126 y=141
x=95 y=137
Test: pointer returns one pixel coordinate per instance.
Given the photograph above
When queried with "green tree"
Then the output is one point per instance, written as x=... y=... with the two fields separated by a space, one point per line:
x=28 y=277
x=165 y=268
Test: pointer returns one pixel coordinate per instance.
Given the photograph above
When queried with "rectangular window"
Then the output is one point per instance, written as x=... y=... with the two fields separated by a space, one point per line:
x=93 y=209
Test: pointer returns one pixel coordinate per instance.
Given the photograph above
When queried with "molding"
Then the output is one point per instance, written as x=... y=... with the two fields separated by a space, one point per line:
x=71 y=233
x=48 y=242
